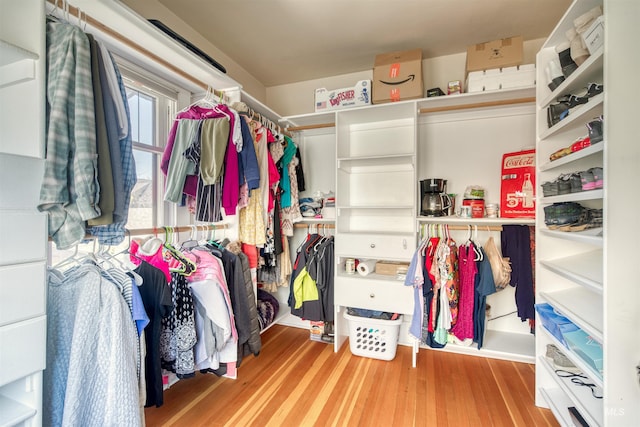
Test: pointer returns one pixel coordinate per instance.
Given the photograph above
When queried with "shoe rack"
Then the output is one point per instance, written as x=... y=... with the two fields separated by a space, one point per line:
x=574 y=269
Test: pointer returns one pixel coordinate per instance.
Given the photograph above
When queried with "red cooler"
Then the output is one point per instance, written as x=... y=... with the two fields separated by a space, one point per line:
x=518 y=185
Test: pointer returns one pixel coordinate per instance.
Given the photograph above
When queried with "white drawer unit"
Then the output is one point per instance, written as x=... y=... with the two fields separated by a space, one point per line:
x=22 y=349
x=22 y=292
x=377 y=246
x=23 y=236
x=371 y=294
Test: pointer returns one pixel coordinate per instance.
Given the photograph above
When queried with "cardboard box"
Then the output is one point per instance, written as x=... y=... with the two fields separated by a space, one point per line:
x=594 y=35
x=495 y=54
x=316 y=329
x=336 y=99
x=397 y=76
x=518 y=185
x=391 y=268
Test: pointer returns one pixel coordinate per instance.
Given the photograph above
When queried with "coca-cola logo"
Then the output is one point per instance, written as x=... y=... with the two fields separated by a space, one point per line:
x=519 y=161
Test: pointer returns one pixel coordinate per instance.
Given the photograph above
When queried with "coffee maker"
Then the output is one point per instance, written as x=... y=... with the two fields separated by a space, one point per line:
x=434 y=198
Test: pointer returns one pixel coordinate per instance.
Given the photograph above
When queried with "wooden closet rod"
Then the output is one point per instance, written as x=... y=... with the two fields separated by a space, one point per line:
x=477 y=105
x=316 y=224
x=156 y=230
x=76 y=12
x=308 y=127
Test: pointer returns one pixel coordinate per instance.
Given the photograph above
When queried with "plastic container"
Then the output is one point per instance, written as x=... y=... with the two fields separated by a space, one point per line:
x=374 y=338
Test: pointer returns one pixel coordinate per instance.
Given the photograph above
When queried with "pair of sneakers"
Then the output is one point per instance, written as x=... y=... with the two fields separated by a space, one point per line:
x=560 y=110
x=560 y=360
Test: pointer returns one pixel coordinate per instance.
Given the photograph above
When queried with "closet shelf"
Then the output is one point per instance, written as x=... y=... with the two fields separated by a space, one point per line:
x=372 y=207
x=476 y=100
x=17 y=65
x=378 y=160
x=584 y=153
x=512 y=346
x=576 y=116
x=587 y=370
x=372 y=276
x=559 y=404
x=592 y=236
x=584 y=269
x=13 y=413
x=574 y=197
x=10 y=53
x=309 y=120
x=589 y=72
x=581 y=306
x=480 y=222
x=583 y=400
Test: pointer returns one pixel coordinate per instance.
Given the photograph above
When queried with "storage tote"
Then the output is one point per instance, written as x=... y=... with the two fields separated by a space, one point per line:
x=374 y=338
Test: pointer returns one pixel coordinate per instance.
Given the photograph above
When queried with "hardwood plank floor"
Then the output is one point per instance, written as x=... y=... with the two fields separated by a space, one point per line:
x=297 y=382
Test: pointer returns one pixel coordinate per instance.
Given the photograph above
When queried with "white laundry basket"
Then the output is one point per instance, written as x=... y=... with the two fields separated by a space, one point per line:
x=375 y=338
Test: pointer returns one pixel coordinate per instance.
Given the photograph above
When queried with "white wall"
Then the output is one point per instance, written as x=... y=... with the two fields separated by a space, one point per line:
x=153 y=9
x=298 y=98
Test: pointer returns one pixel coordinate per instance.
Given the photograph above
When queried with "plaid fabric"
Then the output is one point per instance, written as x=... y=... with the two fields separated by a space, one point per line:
x=69 y=191
x=113 y=234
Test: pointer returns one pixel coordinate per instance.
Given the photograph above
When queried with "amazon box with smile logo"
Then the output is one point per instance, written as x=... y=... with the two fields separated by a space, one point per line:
x=397 y=76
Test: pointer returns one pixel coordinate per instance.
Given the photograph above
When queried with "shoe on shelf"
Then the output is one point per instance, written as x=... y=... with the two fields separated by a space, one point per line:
x=560 y=360
x=575 y=181
x=597 y=176
x=550 y=188
x=594 y=89
x=595 y=130
x=587 y=180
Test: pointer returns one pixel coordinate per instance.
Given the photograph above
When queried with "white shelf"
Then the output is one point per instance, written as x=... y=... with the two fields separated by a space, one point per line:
x=386 y=160
x=584 y=269
x=591 y=409
x=581 y=306
x=310 y=119
x=371 y=276
x=559 y=404
x=472 y=99
x=382 y=207
x=574 y=197
x=17 y=65
x=12 y=413
x=576 y=116
x=512 y=346
x=587 y=370
x=589 y=72
x=10 y=53
x=584 y=153
x=316 y=221
x=592 y=236
x=476 y=221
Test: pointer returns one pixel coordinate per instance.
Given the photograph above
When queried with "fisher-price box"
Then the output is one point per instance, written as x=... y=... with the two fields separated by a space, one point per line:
x=518 y=185
x=336 y=99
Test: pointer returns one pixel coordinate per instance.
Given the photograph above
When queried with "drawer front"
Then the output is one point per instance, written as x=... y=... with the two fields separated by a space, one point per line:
x=22 y=292
x=400 y=247
x=22 y=349
x=374 y=295
x=24 y=236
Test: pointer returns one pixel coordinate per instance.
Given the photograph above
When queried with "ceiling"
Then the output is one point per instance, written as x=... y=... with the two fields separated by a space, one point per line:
x=287 y=41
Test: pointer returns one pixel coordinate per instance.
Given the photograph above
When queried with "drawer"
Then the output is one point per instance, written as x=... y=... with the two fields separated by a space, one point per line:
x=374 y=295
x=377 y=246
x=22 y=349
x=22 y=292
x=24 y=236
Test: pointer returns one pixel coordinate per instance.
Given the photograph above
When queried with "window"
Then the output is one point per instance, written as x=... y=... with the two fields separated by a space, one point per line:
x=151 y=115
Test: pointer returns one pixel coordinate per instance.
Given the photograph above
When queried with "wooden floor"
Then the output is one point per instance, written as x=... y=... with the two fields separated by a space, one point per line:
x=297 y=382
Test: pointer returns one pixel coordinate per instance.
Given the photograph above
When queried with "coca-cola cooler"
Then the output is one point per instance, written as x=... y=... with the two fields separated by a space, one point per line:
x=518 y=185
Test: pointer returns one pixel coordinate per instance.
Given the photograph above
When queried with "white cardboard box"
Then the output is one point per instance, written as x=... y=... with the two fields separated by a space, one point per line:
x=594 y=35
x=502 y=78
x=336 y=99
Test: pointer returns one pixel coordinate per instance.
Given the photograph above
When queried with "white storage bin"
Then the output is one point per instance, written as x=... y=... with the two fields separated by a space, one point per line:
x=374 y=338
